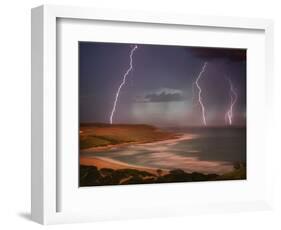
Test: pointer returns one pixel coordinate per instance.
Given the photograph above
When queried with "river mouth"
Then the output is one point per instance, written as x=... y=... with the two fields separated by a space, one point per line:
x=202 y=150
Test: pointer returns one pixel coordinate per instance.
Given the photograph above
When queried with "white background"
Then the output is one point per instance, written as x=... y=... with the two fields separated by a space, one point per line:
x=15 y=114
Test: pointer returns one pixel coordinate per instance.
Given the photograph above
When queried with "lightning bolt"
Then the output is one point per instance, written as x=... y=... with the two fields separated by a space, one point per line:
x=123 y=82
x=193 y=94
x=200 y=91
x=233 y=99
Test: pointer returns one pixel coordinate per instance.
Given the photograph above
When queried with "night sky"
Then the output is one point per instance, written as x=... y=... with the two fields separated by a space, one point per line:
x=160 y=90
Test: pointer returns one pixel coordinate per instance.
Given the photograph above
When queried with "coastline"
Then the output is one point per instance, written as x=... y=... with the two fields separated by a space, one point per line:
x=188 y=164
x=170 y=141
x=104 y=162
x=130 y=154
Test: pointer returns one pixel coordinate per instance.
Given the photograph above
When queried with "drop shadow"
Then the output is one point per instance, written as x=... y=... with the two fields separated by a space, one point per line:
x=25 y=215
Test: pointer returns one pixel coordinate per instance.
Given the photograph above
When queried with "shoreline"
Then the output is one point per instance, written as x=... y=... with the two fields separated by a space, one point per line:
x=104 y=162
x=193 y=165
x=130 y=154
x=170 y=140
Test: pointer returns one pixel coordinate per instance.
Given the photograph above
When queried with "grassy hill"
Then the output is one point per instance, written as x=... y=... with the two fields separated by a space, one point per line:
x=100 y=135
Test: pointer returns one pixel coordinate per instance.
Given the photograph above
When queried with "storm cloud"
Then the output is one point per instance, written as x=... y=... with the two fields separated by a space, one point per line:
x=164 y=97
x=235 y=55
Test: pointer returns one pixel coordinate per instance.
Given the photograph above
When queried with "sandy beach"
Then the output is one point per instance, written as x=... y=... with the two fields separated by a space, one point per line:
x=161 y=138
x=188 y=164
x=168 y=151
x=169 y=140
x=103 y=162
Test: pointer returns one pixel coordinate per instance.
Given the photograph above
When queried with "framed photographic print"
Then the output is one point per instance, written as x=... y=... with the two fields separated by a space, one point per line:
x=140 y=114
x=175 y=114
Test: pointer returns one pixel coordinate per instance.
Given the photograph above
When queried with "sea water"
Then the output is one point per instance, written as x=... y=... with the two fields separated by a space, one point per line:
x=205 y=150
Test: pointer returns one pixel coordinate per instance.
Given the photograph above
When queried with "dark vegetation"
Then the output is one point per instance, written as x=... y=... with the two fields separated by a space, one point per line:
x=92 y=176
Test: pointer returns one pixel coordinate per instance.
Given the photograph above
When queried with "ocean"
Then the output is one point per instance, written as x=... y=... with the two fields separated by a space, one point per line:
x=204 y=150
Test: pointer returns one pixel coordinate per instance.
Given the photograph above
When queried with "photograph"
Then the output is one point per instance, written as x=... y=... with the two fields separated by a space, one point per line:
x=153 y=113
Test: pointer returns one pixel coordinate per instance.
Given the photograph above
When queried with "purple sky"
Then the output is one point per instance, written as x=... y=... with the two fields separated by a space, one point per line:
x=159 y=89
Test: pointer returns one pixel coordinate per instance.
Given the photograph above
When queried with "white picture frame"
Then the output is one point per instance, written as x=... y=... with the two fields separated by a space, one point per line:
x=45 y=162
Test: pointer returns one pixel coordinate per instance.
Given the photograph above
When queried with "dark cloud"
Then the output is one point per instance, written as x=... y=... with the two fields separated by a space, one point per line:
x=235 y=55
x=164 y=97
